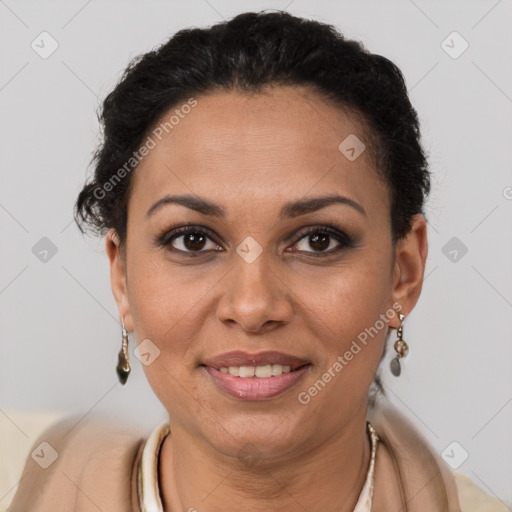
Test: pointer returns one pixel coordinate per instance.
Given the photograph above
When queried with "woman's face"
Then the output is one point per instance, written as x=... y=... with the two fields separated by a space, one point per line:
x=259 y=272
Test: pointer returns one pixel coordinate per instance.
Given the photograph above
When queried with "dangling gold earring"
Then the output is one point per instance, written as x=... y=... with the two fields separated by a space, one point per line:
x=123 y=365
x=401 y=349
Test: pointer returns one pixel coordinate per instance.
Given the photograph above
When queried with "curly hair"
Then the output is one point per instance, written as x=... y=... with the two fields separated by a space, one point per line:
x=247 y=53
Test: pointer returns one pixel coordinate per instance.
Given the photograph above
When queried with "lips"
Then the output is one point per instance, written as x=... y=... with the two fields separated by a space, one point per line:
x=255 y=388
x=240 y=358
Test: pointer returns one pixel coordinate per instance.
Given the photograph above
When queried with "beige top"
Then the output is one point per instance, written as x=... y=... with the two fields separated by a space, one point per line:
x=86 y=464
x=147 y=474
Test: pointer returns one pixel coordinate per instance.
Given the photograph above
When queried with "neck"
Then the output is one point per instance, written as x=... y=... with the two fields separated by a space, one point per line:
x=326 y=477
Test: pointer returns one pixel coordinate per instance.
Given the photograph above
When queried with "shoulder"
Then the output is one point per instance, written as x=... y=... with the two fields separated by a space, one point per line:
x=86 y=462
x=473 y=499
x=421 y=467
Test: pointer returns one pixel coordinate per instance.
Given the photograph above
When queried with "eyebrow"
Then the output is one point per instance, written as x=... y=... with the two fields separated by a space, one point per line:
x=289 y=210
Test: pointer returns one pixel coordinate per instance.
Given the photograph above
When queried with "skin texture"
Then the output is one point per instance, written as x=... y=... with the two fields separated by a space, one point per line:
x=251 y=154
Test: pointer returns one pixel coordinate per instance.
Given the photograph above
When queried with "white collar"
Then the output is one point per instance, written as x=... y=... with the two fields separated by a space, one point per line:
x=147 y=479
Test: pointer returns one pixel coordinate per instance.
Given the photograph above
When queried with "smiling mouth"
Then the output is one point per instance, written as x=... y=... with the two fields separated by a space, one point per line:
x=261 y=382
x=258 y=372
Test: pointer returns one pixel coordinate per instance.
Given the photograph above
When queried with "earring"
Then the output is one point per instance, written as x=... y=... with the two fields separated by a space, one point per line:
x=401 y=349
x=123 y=365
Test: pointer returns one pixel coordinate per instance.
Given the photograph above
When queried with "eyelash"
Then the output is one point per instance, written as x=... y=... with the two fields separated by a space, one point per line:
x=345 y=241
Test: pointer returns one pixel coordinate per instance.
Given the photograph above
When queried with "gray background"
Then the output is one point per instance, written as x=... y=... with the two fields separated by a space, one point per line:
x=59 y=330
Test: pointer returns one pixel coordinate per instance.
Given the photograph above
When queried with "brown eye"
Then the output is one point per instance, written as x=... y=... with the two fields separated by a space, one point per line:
x=193 y=241
x=319 y=242
x=322 y=240
x=188 y=240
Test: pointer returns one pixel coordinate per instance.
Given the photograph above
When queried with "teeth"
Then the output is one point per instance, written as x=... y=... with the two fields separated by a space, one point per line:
x=246 y=372
x=260 y=372
x=263 y=372
x=277 y=369
x=234 y=370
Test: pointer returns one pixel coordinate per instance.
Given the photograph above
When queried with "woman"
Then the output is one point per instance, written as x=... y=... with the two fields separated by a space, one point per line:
x=261 y=186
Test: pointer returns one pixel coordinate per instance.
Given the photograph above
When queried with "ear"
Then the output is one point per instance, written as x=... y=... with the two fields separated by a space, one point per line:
x=118 y=278
x=409 y=268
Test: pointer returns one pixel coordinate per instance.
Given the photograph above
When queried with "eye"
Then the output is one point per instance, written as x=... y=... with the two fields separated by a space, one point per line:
x=189 y=239
x=199 y=240
x=323 y=240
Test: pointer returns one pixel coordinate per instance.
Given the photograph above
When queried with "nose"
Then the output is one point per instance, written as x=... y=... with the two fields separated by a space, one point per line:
x=255 y=297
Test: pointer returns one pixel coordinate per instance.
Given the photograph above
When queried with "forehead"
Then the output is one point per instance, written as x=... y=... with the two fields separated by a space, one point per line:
x=282 y=142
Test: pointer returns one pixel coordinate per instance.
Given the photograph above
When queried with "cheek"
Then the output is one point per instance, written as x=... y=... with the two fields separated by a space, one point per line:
x=348 y=310
x=163 y=300
x=165 y=315
x=349 y=321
